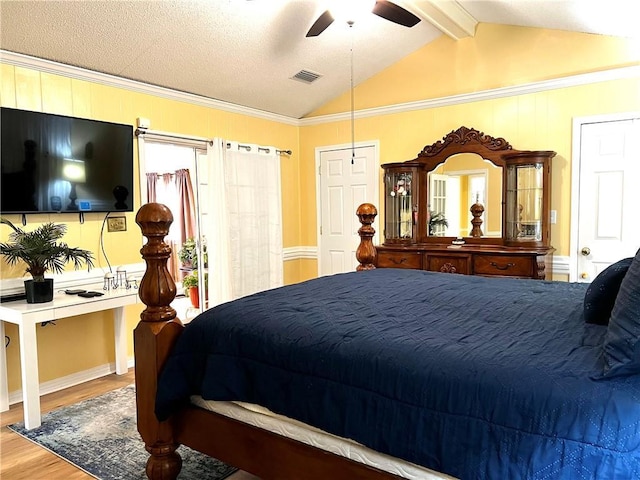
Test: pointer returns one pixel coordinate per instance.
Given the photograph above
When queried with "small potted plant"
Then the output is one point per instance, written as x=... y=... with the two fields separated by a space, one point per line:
x=188 y=254
x=436 y=220
x=190 y=286
x=42 y=251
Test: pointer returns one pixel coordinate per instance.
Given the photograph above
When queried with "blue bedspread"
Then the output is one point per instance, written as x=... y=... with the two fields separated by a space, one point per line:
x=478 y=378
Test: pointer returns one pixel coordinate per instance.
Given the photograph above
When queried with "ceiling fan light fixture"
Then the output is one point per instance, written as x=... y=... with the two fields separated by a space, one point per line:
x=350 y=11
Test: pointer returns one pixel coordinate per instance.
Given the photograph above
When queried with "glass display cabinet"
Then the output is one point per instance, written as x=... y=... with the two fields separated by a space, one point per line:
x=527 y=199
x=471 y=204
x=401 y=204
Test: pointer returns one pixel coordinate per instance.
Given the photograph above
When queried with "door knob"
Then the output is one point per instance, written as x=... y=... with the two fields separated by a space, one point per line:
x=584 y=275
x=585 y=251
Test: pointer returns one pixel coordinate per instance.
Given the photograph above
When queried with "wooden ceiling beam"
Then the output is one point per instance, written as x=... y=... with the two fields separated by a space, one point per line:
x=448 y=17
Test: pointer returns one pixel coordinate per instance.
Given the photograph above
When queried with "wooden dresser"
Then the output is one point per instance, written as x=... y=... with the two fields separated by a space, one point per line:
x=468 y=204
x=483 y=260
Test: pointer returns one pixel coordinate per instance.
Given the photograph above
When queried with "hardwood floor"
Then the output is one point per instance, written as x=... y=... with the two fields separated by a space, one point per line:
x=21 y=459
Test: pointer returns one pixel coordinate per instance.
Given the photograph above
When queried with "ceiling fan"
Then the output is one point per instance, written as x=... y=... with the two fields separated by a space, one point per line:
x=383 y=8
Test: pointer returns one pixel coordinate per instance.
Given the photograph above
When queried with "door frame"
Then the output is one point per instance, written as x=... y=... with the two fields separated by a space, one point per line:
x=576 y=158
x=376 y=164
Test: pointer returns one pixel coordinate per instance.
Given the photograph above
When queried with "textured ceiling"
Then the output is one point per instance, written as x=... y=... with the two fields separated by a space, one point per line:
x=245 y=52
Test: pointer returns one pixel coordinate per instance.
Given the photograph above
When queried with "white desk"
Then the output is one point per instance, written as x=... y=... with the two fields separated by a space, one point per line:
x=28 y=315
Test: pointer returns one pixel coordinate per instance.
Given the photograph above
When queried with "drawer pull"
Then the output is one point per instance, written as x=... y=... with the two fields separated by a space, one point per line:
x=399 y=262
x=502 y=267
x=448 y=268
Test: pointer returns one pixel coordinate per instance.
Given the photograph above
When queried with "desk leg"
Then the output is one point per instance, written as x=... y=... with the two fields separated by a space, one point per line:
x=30 y=377
x=121 y=340
x=4 y=382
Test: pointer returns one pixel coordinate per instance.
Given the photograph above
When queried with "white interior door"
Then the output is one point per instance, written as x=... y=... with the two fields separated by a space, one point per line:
x=343 y=186
x=609 y=194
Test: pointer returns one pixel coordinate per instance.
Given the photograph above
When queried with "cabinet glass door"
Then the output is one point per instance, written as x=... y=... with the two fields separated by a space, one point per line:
x=524 y=202
x=399 y=222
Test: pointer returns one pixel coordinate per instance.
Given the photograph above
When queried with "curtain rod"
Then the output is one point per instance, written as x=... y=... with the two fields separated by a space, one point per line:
x=156 y=134
x=262 y=149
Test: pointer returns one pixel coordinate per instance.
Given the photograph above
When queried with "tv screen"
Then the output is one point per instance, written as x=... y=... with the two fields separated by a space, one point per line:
x=53 y=163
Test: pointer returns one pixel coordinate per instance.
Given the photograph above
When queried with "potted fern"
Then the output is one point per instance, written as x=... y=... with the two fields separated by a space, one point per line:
x=436 y=220
x=42 y=251
x=188 y=254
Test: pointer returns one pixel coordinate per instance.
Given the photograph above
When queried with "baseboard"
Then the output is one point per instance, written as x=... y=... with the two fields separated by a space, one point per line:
x=67 y=381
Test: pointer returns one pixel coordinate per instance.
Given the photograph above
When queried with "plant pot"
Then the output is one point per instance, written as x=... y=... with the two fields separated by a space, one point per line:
x=194 y=296
x=39 y=292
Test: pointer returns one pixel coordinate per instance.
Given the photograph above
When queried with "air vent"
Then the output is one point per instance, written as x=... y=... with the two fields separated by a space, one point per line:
x=306 y=76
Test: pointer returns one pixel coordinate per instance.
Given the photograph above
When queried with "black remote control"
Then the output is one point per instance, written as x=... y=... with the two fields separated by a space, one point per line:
x=90 y=294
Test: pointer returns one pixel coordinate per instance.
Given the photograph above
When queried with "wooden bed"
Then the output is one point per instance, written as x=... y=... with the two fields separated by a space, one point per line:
x=265 y=454
x=416 y=365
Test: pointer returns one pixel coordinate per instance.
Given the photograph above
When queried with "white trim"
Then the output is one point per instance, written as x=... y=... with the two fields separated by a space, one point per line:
x=56 y=68
x=19 y=60
x=73 y=278
x=560 y=265
x=142 y=168
x=168 y=138
x=491 y=94
x=576 y=142
x=67 y=381
x=299 y=253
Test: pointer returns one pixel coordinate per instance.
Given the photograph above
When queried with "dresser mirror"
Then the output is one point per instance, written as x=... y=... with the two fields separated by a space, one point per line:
x=464 y=180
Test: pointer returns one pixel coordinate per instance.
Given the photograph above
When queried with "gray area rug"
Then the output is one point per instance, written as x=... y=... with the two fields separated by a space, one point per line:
x=99 y=436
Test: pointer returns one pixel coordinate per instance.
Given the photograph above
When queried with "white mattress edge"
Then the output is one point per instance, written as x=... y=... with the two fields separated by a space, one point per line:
x=261 y=417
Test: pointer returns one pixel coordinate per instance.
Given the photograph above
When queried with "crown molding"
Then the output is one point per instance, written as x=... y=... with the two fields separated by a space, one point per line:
x=502 y=92
x=48 y=66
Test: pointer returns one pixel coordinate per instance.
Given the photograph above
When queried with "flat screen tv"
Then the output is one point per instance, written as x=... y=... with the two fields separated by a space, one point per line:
x=53 y=163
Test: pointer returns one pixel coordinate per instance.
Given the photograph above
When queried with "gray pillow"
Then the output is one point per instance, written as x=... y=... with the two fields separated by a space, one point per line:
x=622 y=341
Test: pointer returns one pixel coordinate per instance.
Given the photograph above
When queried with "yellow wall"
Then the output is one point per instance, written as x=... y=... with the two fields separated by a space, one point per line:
x=497 y=56
x=80 y=343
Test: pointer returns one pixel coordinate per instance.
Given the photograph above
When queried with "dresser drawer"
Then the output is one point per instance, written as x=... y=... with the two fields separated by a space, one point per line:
x=503 y=265
x=399 y=260
x=447 y=263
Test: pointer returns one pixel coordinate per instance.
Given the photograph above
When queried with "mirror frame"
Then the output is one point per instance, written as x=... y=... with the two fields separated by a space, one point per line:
x=466 y=140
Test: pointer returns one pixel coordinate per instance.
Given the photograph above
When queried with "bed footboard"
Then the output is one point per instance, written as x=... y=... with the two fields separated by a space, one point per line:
x=154 y=337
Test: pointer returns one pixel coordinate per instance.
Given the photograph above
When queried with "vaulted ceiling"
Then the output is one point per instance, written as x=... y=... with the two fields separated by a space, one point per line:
x=246 y=52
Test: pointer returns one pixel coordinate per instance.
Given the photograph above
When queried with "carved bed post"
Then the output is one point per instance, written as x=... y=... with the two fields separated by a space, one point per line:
x=154 y=337
x=366 y=252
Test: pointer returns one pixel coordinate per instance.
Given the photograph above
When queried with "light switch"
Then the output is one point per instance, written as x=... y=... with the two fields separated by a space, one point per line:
x=554 y=216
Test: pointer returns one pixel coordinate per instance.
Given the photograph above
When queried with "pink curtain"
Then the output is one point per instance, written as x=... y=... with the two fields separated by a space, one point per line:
x=186 y=204
x=152 y=179
x=176 y=192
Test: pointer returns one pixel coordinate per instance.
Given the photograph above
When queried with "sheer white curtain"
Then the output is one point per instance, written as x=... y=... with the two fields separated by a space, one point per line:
x=215 y=226
x=248 y=179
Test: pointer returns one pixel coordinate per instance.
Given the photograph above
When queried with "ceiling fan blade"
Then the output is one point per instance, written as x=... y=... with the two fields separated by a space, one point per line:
x=395 y=13
x=320 y=24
